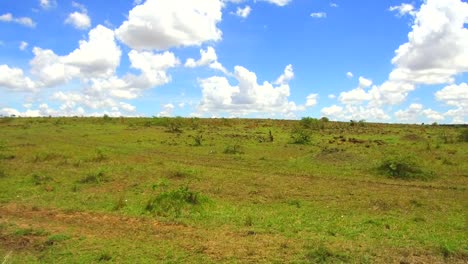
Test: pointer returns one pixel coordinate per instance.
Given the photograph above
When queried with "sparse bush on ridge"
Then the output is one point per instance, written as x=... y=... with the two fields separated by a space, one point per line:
x=312 y=123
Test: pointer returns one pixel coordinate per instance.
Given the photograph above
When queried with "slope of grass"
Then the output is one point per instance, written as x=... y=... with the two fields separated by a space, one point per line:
x=230 y=190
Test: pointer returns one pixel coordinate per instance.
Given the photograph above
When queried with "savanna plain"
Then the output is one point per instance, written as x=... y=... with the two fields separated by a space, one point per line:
x=188 y=190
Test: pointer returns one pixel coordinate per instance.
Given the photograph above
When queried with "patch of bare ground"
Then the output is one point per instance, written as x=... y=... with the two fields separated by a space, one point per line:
x=218 y=244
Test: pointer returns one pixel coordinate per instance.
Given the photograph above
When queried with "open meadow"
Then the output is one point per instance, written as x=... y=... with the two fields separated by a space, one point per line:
x=181 y=190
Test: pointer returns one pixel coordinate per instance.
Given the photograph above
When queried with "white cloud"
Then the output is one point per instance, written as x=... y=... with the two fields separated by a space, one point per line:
x=79 y=6
x=167 y=111
x=358 y=95
x=47 y=4
x=415 y=112
x=311 y=100
x=331 y=96
x=319 y=15
x=333 y=5
x=25 y=21
x=162 y=24
x=335 y=112
x=14 y=79
x=79 y=20
x=436 y=48
x=434 y=54
x=410 y=114
x=23 y=45
x=403 y=9
x=349 y=75
x=209 y=58
x=49 y=68
x=455 y=96
x=243 y=12
x=247 y=97
x=97 y=57
x=279 y=2
x=287 y=76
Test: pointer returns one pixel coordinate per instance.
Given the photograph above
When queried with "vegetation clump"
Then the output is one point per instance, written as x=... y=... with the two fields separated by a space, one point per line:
x=403 y=167
x=233 y=149
x=463 y=137
x=97 y=177
x=300 y=135
x=175 y=203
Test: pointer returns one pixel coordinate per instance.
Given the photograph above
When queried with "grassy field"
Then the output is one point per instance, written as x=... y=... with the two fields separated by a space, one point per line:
x=159 y=190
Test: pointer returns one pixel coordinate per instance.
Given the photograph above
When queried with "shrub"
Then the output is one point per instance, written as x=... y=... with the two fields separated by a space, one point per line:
x=99 y=156
x=54 y=239
x=97 y=177
x=40 y=179
x=175 y=202
x=463 y=137
x=403 y=167
x=300 y=136
x=324 y=255
x=106 y=117
x=198 y=140
x=183 y=173
x=233 y=149
x=174 y=125
x=311 y=123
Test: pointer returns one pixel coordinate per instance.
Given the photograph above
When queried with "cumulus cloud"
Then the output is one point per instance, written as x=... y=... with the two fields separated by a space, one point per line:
x=209 y=58
x=319 y=15
x=358 y=95
x=434 y=54
x=436 y=48
x=415 y=111
x=247 y=97
x=97 y=57
x=455 y=96
x=25 y=21
x=79 y=20
x=349 y=75
x=163 y=24
x=243 y=12
x=403 y=9
x=287 y=75
x=15 y=80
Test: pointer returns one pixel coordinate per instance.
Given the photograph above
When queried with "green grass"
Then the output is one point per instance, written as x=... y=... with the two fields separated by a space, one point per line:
x=136 y=190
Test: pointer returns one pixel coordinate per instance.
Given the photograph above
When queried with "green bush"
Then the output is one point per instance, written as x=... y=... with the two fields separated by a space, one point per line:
x=403 y=167
x=300 y=135
x=311 y=123
x=463 y=137
x=322 y=254
x=233 y=149
x=96 y=177
x=176 y=202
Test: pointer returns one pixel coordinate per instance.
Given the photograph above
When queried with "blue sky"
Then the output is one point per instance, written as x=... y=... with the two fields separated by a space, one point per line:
x=381 y=61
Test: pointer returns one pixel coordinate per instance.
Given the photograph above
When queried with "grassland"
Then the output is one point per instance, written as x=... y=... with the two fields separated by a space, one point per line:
x=158 y=190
